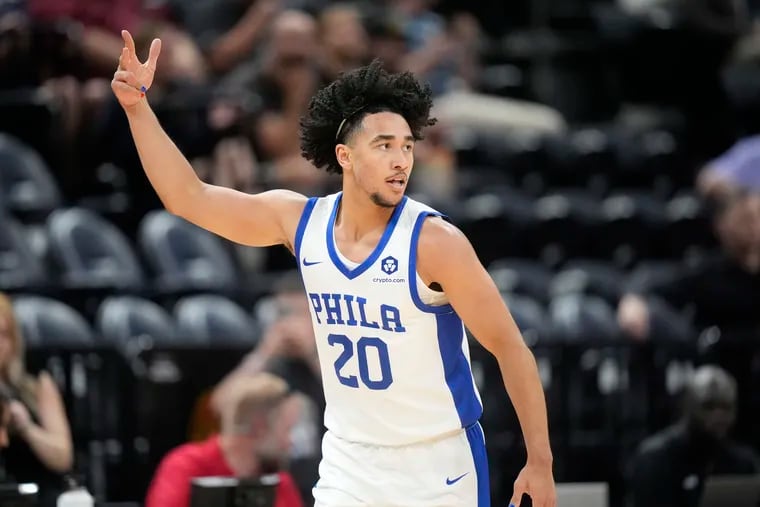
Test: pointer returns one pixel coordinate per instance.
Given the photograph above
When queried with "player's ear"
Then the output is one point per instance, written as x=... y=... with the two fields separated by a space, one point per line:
x=343 y=154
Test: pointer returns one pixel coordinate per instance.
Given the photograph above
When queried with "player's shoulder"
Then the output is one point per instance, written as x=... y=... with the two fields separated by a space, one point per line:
x=438 y=232
x=286 y=200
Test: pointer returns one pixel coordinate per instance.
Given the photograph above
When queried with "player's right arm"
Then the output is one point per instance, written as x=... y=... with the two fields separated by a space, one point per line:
x=264 y=219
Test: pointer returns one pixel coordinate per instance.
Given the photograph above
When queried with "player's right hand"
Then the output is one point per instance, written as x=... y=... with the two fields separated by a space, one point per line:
x=132 y=78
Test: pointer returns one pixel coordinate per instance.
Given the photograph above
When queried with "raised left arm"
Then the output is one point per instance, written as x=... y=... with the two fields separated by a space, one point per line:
x=478 y=303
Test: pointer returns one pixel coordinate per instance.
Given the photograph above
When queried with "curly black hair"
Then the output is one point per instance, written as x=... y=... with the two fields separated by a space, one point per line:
x=338 y=109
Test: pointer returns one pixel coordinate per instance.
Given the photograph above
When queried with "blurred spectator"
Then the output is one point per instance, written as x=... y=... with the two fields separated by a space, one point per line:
x=671 y=466
x=93 y=30
x=228 y=31
x=5 y=422
x=289 y=350
x=270 y=94
x=40 y=449
x=738 y=168
x=232 y=164
x=257 y=419
x=720 y=290
x=288 y=347
x=344 y=40
x=735 y=171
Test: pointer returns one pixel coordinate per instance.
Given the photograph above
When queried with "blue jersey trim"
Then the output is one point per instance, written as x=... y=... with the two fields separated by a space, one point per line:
x=413 y=268
x=456 y=368
x=305 y=214
x=361 y=268
x=477 y=443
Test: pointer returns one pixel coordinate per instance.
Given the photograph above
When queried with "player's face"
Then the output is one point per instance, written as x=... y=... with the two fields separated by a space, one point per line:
x=381 y=158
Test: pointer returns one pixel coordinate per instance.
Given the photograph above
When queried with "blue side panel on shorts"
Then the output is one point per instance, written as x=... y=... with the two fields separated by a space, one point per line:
x=456 y=368
x=480 y=458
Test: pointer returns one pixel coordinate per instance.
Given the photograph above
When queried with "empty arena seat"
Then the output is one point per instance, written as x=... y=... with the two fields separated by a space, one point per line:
x=589 y=276
x=213 y=320
x=92 y=253
x=184 y=256
x=649 y=272
x=47 y=322
x=582 y=317
x=522 y=276
x=565 y=224
x=498 y=222
x=631 y=227
x=579 y=155
x=645 y=158
x=26 y=183
x=20 y=268
x=121 y=319
x=688 y=227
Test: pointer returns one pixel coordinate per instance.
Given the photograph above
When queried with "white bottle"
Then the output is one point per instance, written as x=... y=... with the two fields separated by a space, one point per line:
x=78 y=497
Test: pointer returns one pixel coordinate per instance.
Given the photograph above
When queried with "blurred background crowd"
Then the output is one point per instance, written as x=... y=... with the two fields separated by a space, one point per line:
x=603 y=156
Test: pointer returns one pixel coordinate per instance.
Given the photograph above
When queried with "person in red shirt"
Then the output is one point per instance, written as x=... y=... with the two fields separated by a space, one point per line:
x=254 y=440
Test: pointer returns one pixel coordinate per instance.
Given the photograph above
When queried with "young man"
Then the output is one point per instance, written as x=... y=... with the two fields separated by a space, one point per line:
x=388 y=281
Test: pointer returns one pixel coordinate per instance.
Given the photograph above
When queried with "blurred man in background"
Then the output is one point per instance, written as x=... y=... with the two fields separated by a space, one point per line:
x=257 y=418
x=670 y=467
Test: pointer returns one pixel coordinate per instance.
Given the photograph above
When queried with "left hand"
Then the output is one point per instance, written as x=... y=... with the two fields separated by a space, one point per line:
x=20 y=418
x=537 y=482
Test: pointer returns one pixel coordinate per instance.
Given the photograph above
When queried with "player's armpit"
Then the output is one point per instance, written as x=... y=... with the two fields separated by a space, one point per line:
x=445 y=256
x=265 y=219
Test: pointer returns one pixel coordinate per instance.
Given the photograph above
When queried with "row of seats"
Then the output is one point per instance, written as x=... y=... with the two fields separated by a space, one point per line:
x=601 y=279
x=573 y=223
x=620 y=156
x=573 y=316
x=86 y=251
x=127 y=321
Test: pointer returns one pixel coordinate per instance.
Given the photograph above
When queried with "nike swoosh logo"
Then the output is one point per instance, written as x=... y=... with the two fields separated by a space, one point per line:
x=307 y=263
x=449 y=482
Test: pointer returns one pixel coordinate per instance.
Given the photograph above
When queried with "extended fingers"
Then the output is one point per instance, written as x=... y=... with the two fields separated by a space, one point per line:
x=129 y=43
x=155 y=50
x=124 y=59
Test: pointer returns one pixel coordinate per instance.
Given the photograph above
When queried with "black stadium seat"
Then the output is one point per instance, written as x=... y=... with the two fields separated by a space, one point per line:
x=184 y=256
x=26 y=184
x=91 y=252
x=589 y=276
x=121 y=319
x=48 y=322
x=213 y=320
x=20 y=268
x=522 y=276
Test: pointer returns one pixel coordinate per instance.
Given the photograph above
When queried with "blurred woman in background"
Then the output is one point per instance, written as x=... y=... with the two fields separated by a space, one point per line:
x=40 y=447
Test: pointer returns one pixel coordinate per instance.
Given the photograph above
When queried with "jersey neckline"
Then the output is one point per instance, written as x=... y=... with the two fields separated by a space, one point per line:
x=332 y=249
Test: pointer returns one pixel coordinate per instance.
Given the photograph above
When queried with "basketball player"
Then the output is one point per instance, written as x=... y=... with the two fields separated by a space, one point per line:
x=390 y=283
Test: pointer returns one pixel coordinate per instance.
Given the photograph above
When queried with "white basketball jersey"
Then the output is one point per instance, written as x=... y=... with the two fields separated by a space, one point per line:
x=395 y=370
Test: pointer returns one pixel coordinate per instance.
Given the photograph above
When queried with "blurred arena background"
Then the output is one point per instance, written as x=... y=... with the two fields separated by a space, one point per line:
x=600 y=155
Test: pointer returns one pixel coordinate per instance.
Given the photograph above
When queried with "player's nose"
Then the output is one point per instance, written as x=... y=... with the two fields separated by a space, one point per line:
x=400 y=162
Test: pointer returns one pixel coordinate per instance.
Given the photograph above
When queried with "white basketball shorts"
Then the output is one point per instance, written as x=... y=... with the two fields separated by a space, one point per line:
x=449 y=472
